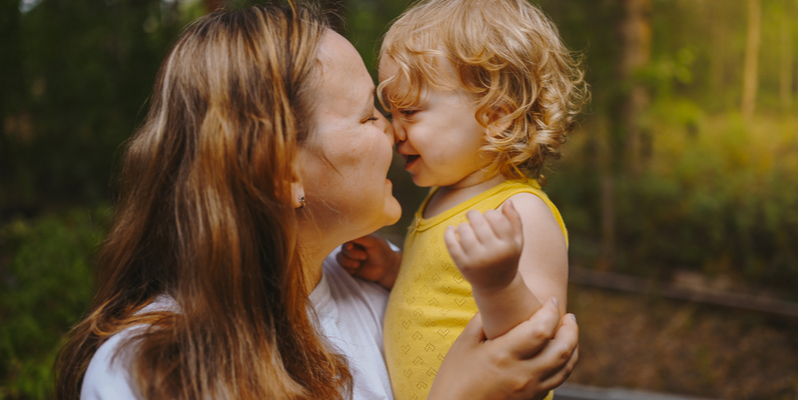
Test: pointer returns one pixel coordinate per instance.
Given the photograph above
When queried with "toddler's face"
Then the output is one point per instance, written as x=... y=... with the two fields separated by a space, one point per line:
x=439 y=137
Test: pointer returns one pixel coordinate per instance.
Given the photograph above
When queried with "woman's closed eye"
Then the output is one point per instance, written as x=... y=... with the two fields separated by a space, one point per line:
x=371 y=118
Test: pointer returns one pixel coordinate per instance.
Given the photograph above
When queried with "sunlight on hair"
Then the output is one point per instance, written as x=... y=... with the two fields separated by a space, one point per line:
x=510 y=56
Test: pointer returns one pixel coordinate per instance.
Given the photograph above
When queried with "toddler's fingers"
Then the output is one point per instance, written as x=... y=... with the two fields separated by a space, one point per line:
x=356 y=253
x=510 y=211
x=466 y=236
x=500 y=224
x=453 y=245
x=370 y=241
x=354 y=250
x=347 y=263
x=480 y=227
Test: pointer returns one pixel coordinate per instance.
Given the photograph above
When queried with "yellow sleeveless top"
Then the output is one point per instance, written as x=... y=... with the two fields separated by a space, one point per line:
x=431 y=302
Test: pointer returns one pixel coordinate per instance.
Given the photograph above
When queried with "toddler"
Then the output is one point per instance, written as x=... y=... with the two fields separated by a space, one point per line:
x=482 y=93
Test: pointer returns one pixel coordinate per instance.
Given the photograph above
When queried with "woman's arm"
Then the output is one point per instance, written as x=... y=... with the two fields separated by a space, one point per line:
x=527 y=362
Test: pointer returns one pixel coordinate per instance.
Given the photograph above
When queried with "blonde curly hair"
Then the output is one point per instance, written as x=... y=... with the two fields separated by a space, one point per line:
x=510 y=56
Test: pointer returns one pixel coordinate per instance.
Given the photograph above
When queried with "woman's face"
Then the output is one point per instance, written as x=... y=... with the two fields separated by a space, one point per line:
x=344 y=163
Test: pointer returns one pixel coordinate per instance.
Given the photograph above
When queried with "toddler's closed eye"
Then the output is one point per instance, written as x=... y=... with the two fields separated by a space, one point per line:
x=407 y=113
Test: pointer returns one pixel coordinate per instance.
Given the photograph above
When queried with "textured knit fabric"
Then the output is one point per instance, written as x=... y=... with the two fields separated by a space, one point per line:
x=431 y=302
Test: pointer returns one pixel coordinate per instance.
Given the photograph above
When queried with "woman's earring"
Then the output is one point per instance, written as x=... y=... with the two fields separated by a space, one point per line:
x=302 y=202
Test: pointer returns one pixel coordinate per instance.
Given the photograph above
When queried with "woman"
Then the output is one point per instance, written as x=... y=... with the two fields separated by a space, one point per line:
x=261 y=153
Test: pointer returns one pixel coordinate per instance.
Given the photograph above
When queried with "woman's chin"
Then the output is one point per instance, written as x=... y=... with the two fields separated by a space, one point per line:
x=393 y=211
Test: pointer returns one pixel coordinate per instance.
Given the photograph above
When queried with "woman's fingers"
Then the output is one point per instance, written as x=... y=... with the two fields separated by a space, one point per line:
x=561 y=375
x=498 y=366
x=474 y=329
x=561 y=354
x=531 y=336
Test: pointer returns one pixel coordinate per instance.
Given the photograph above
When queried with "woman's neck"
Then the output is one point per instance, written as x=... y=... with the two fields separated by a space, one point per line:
x=314 y=245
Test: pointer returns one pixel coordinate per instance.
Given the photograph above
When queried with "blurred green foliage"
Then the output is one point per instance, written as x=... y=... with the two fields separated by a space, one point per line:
x=719 y=196
x=45 y=290
x=75 y=76
x=714 y=191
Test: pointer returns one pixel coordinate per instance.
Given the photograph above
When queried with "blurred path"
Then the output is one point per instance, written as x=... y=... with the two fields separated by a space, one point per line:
x=571 y=391
x=698 y=294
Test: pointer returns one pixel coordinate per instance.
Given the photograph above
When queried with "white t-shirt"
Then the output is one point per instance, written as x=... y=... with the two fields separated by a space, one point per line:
x=350 y=313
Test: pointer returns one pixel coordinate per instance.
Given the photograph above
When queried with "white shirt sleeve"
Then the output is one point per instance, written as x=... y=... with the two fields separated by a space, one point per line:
x=351 y=314
x=107 y=376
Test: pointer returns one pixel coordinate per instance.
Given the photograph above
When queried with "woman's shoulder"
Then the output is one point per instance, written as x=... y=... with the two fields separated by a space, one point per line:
x=108 y=375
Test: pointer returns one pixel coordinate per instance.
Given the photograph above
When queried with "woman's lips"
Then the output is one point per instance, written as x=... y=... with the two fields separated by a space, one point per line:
x=410 y=159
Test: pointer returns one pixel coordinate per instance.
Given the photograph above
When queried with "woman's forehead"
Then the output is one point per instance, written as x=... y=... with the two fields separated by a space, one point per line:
x=344 y=82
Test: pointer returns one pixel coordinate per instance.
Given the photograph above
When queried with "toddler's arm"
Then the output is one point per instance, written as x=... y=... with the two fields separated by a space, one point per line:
x=511 y=266
x=371 y=258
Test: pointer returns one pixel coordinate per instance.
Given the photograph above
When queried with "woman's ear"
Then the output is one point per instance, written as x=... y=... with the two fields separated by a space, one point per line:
x=298 y=195
x=298 y=191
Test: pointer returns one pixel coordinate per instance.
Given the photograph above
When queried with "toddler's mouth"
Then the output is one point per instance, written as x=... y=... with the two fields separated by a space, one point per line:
x=410 y=158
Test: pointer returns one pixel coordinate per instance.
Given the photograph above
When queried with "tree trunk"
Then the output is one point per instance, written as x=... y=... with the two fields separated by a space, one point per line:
x=607 y=211
x=623 y=135
x=636 y=49
x=750 y=88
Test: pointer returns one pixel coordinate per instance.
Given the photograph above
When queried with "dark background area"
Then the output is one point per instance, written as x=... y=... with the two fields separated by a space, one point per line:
x=682 y=174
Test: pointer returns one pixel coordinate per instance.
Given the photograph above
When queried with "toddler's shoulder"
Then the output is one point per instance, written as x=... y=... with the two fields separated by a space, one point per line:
x=540 y=217
x=532 y=206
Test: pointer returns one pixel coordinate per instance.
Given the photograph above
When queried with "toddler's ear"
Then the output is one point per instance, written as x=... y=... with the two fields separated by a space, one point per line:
x=497 y=121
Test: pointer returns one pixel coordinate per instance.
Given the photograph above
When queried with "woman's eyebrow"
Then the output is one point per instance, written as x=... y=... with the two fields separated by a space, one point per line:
x=371 y=101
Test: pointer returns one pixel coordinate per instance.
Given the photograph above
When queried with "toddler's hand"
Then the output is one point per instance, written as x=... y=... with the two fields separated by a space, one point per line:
x=370 y=258
x=487 y=249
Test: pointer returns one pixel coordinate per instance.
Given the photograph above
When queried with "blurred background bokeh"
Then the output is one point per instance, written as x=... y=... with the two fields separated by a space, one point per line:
x=678 y=187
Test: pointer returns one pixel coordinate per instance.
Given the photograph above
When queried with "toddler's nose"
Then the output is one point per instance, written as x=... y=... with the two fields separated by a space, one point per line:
x=399 y=132
x=388 y=127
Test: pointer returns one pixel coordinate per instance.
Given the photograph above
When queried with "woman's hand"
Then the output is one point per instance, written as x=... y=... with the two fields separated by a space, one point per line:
x=371 y=258
x=526 y=363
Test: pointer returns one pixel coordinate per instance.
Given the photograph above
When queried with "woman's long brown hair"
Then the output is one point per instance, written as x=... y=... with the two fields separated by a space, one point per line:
x=205 y=216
